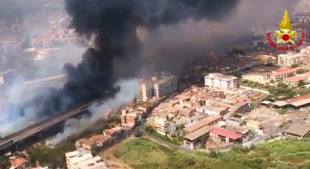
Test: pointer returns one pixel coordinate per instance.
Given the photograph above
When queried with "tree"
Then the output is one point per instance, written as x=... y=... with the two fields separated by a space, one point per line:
x=237 y=74
x=294 y=65
x=290 y=75
x=282 y=85
x=300 y=71
x=301 y=83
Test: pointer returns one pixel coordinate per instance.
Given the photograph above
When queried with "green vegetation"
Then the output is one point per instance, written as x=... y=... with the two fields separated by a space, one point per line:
x=174 y=140
x=294 y=65
x=46 y=156
x=284 y=154
x=142 y=154
x=282 y=89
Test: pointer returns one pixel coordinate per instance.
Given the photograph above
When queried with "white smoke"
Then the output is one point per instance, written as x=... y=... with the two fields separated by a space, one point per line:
x=127 y=93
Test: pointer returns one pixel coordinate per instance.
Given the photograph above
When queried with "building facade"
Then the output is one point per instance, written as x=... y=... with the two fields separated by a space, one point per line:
x=164 y=85
x=289 y=59
x=145 y=90
x=83 y=159
x=217 y=80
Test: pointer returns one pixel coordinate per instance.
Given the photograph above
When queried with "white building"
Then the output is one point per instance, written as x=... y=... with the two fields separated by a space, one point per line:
x=290 y=58
x=217 y=80
x=164 y=85
x=145 y=90
x=81 y=159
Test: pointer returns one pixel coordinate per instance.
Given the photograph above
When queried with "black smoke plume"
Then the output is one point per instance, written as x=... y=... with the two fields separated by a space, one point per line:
x=116 y=51
x=114 y=23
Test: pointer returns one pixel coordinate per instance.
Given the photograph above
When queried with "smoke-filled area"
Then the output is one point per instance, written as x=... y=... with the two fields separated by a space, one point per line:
x=170 y=33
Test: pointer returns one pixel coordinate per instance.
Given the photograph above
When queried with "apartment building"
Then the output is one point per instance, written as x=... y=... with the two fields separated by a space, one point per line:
x=129 y=117
x=81 y=159
x=164 y=85
x=290 y=58
x=217 y=80
x=145 y=90
x=163 y=126
x=93 y=143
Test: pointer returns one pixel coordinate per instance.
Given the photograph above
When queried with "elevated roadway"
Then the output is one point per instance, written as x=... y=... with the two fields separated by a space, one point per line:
x=45 y=124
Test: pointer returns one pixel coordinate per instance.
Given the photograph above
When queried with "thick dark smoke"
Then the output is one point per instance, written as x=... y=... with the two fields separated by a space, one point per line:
x=114 y=24
x=177 y=30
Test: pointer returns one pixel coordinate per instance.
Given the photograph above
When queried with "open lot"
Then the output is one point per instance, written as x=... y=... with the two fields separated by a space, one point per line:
x=142 y=154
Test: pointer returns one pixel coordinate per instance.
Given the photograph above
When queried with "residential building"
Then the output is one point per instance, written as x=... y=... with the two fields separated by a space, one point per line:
x=92 y=163
x=163 y=125
x=289 y=59
x=223 y=135
x=93 y=143
x=283 y=73
x=265 y=59
x=81 y=159
x=217 y=80
x=19 y=163
x=129 y=117
x=164 y=85
x=145 y=90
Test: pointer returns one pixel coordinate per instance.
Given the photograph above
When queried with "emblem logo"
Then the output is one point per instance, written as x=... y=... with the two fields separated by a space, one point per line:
x=285 y=35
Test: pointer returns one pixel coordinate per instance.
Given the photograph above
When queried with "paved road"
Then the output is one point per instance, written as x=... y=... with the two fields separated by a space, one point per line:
x=34 y=129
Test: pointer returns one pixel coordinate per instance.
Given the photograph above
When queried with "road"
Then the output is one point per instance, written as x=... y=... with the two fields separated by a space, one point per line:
x=34 y=129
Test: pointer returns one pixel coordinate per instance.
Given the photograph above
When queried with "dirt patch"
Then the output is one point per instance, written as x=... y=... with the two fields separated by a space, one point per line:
x=111 y=160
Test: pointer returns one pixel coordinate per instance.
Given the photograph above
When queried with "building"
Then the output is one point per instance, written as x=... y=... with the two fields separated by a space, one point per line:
x=283 y=73
x=195 y=138
x=290 y=58
x=217 y=80
x=163 y=125
x=294 y=80
x=207 y=121
x=129 y=117
x=93 y=163
x=165 y=85
x=214 y=109
x=19 y=163
x=93 y=143
x=145 y=90
x=265 y=59
x=83 y=159
x=298 y=130
x=223 y=135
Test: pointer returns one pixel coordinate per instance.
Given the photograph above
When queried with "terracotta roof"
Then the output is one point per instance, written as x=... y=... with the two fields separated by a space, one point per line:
x=226 y=133
x=295 y=78
x=283 y=69
x=299 y=129
x=286 y=71
x=18 y=162
x=306 y=74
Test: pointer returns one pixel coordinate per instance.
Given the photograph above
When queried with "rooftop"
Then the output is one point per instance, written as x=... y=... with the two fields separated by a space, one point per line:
x=201 y=123
x=286 y=71
x=295 y=78
x=226 y=133
x=18 y=162
x=299 y=129
x=220 y=76
x=196 y=134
